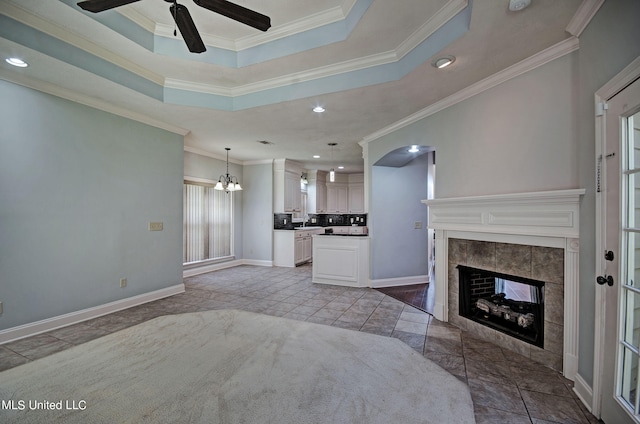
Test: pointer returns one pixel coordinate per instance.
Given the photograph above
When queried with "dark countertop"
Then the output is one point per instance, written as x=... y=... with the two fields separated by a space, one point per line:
x=344 y=235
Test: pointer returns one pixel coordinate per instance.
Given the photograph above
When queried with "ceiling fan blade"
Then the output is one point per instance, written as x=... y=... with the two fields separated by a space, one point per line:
x=236 y=12
x=187 y=28
x=100 y=5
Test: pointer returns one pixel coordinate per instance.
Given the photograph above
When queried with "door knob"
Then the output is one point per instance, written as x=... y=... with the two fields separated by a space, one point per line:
x=608 y=279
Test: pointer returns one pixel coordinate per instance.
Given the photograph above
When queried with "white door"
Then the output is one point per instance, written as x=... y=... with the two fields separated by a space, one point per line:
x=620 y=261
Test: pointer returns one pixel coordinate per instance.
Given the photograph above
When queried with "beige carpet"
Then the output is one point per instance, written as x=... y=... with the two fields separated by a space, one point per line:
x=234 y=367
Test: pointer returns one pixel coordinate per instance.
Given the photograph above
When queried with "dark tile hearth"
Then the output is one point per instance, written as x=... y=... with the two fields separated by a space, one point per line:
x=504 y=390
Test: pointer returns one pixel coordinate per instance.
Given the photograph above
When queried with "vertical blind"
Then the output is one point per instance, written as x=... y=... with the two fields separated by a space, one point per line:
x=207 y=232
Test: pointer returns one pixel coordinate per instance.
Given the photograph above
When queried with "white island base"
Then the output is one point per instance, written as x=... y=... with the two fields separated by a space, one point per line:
x=341 y=260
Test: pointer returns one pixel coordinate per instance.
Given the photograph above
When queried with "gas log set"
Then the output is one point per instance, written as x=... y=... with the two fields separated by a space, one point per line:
x=510 y=304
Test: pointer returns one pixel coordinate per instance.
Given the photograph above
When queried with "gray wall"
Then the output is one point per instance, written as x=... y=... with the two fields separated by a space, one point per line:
x=257 y=214
x=396 y=200
x=78 y=188
x=516 y=137
x=210 y=168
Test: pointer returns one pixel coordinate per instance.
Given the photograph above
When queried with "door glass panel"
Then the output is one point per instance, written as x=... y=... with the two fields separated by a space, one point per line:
x=627 y=381
x=629 y=376
x=633 y=260
x=632 y=318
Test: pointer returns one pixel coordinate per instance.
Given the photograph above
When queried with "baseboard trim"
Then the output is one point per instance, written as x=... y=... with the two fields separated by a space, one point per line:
x=399 y=281
x=257 y=262
x=583 y=391
x=223 y=265
x=60 y=321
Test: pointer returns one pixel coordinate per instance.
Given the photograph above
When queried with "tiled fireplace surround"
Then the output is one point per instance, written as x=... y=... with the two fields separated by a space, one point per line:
x=535 y=262
x=532 y=235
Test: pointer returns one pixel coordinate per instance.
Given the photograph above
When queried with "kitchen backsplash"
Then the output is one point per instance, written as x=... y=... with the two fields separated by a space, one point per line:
x=283 y=221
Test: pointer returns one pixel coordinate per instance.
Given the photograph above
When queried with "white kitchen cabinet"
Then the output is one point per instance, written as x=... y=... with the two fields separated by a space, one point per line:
x=342 y=261
x=293 y=247
x=317 y=192
x=356 y=198
x=292 y=194
x=298 y=248
x=337 y=198
x=286 y=186
x=307 y=243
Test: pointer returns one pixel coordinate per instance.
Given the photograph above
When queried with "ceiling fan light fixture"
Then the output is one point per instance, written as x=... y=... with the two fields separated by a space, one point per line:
x=237 y=13
x=443 y=62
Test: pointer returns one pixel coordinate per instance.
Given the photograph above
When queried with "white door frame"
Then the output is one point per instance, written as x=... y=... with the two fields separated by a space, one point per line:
x=618 y=83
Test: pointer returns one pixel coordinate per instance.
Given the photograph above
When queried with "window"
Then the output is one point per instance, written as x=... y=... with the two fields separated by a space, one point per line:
x=208 y=223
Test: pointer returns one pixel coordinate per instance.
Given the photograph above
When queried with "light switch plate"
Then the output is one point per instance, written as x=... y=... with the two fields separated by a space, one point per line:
x=418 y=225
x=155 y=226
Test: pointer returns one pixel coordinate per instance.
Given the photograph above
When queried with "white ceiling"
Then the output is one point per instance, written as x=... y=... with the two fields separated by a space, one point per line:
x=368 y=62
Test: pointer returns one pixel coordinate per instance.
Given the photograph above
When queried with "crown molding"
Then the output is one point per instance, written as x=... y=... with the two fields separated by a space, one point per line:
x=441 y=17
x=558 y=50
x=139 y=19
x=61 y=33
x=446 y=13
x=198 y=87
x=73 y=96
x=202 y=152
x=582 y=17
x=325 y=17
x=258 y=162
x=285 y=80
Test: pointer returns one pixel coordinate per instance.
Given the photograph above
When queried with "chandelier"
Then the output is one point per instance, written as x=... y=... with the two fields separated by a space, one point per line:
x=227 y=182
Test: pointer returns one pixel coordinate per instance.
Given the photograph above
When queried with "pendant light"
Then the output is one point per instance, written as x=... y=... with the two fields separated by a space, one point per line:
x=228 y=182
x=332 y=173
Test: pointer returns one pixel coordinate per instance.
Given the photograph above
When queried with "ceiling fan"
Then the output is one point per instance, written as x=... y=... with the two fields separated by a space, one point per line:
x=183 y=20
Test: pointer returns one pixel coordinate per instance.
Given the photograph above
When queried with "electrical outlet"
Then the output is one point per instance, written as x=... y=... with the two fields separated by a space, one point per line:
x=123 y=282
x=155 y=226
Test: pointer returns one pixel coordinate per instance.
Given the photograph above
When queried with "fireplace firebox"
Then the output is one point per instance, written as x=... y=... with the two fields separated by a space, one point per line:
x=510 y=304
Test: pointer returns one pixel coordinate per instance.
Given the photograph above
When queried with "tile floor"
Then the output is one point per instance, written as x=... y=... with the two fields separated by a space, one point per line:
x=505 y=387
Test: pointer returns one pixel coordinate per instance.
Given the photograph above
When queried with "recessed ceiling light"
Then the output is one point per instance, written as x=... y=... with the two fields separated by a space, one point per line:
x=318 y=109
x=413 y=149
x=443 y=62
x=517 y=5
x=17 y=62
x=341 y=167
x=316 y=156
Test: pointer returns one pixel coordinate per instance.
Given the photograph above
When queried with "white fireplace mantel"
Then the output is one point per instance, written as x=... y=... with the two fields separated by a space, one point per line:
x=548 y=218
x=545 y=213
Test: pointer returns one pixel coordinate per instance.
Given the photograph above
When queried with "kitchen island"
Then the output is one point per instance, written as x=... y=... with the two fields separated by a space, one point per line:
x=341 y=260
